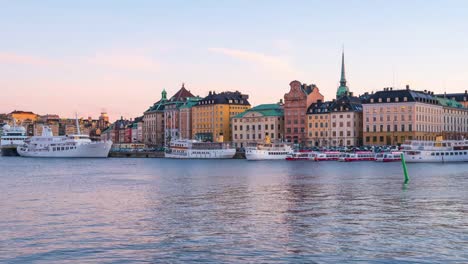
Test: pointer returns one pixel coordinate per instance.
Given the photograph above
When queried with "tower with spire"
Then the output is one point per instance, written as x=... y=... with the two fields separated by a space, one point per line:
x=342 y=89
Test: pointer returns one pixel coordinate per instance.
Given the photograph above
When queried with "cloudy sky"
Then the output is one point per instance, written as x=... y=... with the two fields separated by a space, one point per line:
x=87 y=56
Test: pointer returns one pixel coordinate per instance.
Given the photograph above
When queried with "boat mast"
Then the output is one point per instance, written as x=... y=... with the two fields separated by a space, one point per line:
x=77 y=124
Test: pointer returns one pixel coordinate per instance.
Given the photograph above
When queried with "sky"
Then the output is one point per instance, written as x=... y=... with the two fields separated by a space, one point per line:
x=88 y=56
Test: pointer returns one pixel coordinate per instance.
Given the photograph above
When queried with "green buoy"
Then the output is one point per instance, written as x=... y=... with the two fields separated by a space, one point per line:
x=405 y=170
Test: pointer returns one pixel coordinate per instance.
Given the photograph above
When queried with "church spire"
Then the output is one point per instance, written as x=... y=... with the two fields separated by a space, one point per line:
x=342 y=89
x=343 y=78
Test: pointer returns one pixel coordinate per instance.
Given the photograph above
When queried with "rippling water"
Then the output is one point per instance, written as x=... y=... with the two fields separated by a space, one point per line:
x=178 y=211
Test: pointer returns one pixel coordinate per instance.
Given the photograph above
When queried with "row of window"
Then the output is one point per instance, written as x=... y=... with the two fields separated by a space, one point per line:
x=456 y=153
x=253 y=136
x=248 y=127
x=333 y=133
x=62 y=148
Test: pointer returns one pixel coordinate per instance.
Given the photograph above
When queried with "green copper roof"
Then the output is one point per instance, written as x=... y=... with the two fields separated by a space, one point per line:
x=343 y=89
x=264 y=110
x=191 y=101
x=448 y=102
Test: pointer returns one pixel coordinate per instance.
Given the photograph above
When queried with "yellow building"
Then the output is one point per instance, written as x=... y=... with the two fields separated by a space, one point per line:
x=22 y=116
x=211 y=116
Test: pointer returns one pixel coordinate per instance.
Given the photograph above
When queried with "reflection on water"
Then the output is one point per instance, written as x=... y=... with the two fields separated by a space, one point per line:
x=157 y=210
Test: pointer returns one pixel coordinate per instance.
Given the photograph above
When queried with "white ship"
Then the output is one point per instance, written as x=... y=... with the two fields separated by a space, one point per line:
x=436 y=151
x=71 y=146
x=193 y=149
x=268 y=151
x=12 y=137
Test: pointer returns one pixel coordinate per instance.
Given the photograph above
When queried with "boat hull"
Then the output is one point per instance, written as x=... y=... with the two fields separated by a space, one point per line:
x=9 y=151
x=264 y=156
x=92 y=150
x=202 y=154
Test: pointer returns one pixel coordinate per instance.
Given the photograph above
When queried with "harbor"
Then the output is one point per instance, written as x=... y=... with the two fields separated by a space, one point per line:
x=157 y=210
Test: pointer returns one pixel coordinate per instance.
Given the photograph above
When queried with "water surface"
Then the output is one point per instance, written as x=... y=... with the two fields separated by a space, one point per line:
x=212 y=211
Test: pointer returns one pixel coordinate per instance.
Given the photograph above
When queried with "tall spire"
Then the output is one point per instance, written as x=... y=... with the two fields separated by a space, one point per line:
x=343 y=89
x=343 y=78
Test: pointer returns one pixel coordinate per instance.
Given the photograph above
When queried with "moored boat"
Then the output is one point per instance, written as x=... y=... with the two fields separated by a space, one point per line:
x=70 y=146
x=302 y=156
x=358 y=156
x=12 y=137
x=328 y=156
x=435 y=151
x=388 y=156
x=268 y=151
x=194 y=149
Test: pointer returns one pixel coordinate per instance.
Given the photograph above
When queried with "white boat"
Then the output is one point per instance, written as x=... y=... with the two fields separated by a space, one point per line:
x=268 y=151
x=302 y=156
x=358 y=156
x=329 y=156
x=388 y=156
x=436 y=151
x=12 y=137
x=71 y=146
x=194 y=149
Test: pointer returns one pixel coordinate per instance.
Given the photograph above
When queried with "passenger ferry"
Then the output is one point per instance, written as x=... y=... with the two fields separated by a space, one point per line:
x=12 y=137
x=328 y=156
x=388 y=156
x=70 y=146
x=436 y=151
x=358 y=156
x=268 y=151
x=302 y=156
x=194 y=149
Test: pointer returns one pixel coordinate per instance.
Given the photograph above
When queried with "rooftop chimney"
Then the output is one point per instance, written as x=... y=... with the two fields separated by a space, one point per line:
x=407 y=87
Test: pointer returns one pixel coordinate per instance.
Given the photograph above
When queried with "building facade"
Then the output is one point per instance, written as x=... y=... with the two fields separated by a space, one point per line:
x=296 y=102
x=211 y=116
x=153 y=123
x=253 y=125
x=393 y=116
x=172 y=117
x=186 y=117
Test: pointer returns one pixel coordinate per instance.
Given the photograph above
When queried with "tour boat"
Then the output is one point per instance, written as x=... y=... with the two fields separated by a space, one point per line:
x=358 y=156
x=268 y=151
x=70 y=146
x=328 y=156
x=194 y=149
x=12 y=137
x=436 y=151
x=388 y=156
x=302 y=156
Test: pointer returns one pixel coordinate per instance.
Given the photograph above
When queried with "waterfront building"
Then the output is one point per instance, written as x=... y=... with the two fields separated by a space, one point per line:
x=103 y=121
x=318 y=124
x=22 y=117
x=211 y=116
x=455 y=118
x=153 y=123
x=137 y=130
x=393 y=116
x=172 y=120
x=296 y=102
x=254 y=124
x=186 y=117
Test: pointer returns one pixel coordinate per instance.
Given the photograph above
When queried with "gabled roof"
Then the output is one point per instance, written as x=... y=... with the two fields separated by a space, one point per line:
x=448 y=102
x=308 y=89
x=181 y=95
x=345 y=103
x=264 y=110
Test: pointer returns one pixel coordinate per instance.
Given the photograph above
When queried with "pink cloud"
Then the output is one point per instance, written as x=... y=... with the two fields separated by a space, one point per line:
x=13 y=58
x=124 y=61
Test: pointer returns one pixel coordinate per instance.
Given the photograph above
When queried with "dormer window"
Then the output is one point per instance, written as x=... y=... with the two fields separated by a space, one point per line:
x=405 y=99
x=397 y=99
x=388 y=100
x=380 y=100
x=372 y=100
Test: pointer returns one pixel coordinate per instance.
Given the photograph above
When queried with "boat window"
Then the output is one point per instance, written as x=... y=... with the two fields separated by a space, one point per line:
x=432 y=153
x=437 y=153
x=451 y=153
